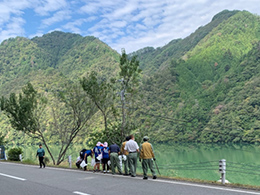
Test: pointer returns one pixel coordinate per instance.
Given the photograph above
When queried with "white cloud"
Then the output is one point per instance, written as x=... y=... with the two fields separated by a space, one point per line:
x=13 y=29
x=132 y=24
x=44 y=7
x=57 y=17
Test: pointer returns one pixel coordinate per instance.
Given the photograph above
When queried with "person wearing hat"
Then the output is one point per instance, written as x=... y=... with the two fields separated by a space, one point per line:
x=97 y=152
x=147 y=156
x=105 y=159
x=132 y=148
x=41 y=153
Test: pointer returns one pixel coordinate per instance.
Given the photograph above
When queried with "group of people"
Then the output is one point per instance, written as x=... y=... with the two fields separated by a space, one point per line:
x=110 y=157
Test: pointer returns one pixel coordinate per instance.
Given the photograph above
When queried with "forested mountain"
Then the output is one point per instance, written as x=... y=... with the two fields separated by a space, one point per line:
x=204 y=88
x=152 y=59
x=204 y=95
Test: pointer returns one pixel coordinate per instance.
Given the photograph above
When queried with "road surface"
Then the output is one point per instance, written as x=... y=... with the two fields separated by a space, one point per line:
x=19 y=179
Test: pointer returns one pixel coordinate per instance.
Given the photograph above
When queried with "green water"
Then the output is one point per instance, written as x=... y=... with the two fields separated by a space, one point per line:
x=198 y=161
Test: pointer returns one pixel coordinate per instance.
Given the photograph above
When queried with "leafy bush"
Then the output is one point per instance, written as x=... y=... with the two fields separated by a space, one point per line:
x=13 y=154
x=46 y=160
x=2 y=139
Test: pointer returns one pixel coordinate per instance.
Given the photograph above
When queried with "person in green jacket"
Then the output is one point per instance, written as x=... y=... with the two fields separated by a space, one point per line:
x=147 y=157
x=41 y=153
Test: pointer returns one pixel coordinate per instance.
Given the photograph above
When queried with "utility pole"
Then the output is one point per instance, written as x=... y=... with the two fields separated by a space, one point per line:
x=123 y=107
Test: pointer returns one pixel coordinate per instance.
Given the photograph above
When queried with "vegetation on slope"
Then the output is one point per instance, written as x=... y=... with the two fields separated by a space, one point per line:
x=203 y=88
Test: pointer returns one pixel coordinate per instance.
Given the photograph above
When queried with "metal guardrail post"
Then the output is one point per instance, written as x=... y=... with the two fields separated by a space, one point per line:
x=222 y=170
x=21 y=157
x=69 y=160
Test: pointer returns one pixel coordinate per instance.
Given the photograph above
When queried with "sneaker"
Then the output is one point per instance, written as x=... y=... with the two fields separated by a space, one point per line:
x=154 y=177
x=107 y=171
x=145 y=178
x=104 y=171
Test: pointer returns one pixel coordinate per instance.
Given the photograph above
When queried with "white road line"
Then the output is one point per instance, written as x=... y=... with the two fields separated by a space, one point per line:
x=210 y=187
x=80 y=193
x=13 y=177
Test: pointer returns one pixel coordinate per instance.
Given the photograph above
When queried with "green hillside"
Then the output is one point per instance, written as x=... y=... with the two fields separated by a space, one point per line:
x=185 y=99
x=204 y=88
x=152 y=59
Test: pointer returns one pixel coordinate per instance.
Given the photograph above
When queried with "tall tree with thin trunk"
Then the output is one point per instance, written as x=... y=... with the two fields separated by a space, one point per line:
x=129 y=74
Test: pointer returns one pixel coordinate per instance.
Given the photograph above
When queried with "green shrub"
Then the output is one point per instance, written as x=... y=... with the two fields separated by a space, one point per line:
x=46 y=160
x=13 y=154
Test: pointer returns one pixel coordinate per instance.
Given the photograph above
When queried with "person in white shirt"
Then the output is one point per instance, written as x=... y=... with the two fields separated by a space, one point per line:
x=132 y=147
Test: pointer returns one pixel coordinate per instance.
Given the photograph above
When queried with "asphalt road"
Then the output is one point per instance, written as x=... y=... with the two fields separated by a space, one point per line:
x=17 y=179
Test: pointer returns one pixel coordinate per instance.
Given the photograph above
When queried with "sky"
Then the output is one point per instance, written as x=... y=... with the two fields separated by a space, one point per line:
x=128 y=24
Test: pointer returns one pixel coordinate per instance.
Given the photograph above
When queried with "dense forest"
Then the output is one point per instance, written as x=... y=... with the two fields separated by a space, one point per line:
x=203 y=88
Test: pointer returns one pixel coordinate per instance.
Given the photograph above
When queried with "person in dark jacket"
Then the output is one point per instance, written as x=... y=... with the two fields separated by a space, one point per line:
x=114 y=151
x=41 y=153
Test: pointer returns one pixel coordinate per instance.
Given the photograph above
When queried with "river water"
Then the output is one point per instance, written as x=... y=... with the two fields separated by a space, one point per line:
x=198 y=161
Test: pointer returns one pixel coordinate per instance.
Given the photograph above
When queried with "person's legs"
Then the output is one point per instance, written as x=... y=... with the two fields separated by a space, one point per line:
x=108 y=167
x=86 y=161
x=145 y=167
x=97 y=165
x=126 y=166
x=104 y=164
x=151 y=167
x=131 y=164
x=41 y=162
x=113 y=162
x=134 y=163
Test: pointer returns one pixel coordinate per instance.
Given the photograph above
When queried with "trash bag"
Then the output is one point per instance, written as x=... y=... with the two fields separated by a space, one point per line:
x=99 y=157
x=93 y=162
x=83 y=164
x=120 y=161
